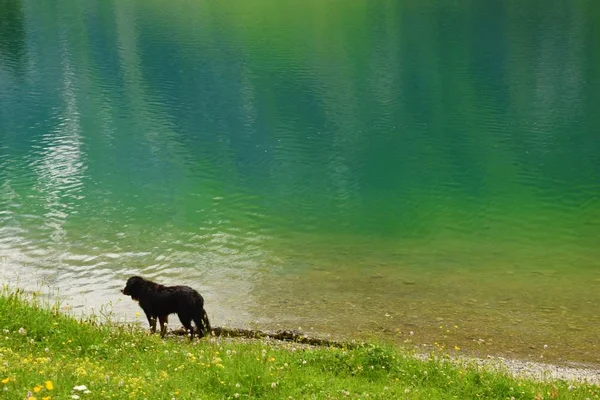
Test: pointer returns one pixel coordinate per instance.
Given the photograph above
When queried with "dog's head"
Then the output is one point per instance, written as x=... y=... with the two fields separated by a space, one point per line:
x=133 y=287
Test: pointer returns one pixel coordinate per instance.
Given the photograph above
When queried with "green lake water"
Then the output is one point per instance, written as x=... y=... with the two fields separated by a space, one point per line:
x=426 y=172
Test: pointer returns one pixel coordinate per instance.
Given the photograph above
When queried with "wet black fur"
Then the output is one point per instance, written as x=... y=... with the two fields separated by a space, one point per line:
x=158 y=301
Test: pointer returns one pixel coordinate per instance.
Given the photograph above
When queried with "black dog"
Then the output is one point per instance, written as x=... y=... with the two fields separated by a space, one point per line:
x=158 y=301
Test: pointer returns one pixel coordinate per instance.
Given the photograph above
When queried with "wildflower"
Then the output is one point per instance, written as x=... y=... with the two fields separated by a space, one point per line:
x=273 y=385
x=22 y=331
x=37 y=389
x=46 y=398
x=456 y=348
x=236 y=395
x=80 y=388
x=74 y=397
x=5 y=380
x=49 y=385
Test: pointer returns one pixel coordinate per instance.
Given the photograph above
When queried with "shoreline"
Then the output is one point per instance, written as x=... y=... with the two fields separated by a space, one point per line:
x=541 y=372
x=537 y=371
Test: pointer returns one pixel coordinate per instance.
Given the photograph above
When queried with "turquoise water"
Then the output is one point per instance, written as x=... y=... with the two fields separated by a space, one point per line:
x=347 y=167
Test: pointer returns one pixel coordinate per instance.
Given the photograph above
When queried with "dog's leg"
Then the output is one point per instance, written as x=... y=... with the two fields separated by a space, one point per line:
x=186 y=321
x=152 y=322
x=163 y=320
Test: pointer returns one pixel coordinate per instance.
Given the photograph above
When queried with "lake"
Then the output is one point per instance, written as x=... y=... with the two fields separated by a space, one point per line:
x=422 y=172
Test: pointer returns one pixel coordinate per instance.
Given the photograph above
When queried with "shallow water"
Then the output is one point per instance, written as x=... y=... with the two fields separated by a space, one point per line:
x=350 y=168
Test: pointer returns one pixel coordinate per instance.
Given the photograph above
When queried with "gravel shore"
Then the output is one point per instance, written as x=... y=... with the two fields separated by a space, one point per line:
x=542 y=371
x=535 y=370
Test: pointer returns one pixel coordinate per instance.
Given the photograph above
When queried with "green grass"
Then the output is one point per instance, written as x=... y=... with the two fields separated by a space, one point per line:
x=47 y=353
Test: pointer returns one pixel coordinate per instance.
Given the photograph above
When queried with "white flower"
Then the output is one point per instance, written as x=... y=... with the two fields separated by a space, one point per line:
x=74 y=396
x=273 y=385
x=22 y=331
x=80 y=388
x=236 y=395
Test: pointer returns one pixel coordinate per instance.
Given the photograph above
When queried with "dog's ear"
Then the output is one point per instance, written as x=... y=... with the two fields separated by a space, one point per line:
x=132 y=285
x=134 y=280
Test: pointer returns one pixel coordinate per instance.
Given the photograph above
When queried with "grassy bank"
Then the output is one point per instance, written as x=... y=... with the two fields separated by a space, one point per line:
x=45 y=354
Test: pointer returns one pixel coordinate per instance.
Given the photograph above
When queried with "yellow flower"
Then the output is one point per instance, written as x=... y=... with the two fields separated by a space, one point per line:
x=31 y=398
x=5 y=380
x=49 y=385
x=37 y=389
x=456 y=348
x=46 y=398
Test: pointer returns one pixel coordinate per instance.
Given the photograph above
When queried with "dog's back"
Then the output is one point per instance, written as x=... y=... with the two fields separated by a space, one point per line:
x=174 y=299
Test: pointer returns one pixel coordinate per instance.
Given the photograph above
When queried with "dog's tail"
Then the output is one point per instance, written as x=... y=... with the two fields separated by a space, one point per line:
x=202 y=323
x=201 y=317
x=205 y=321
